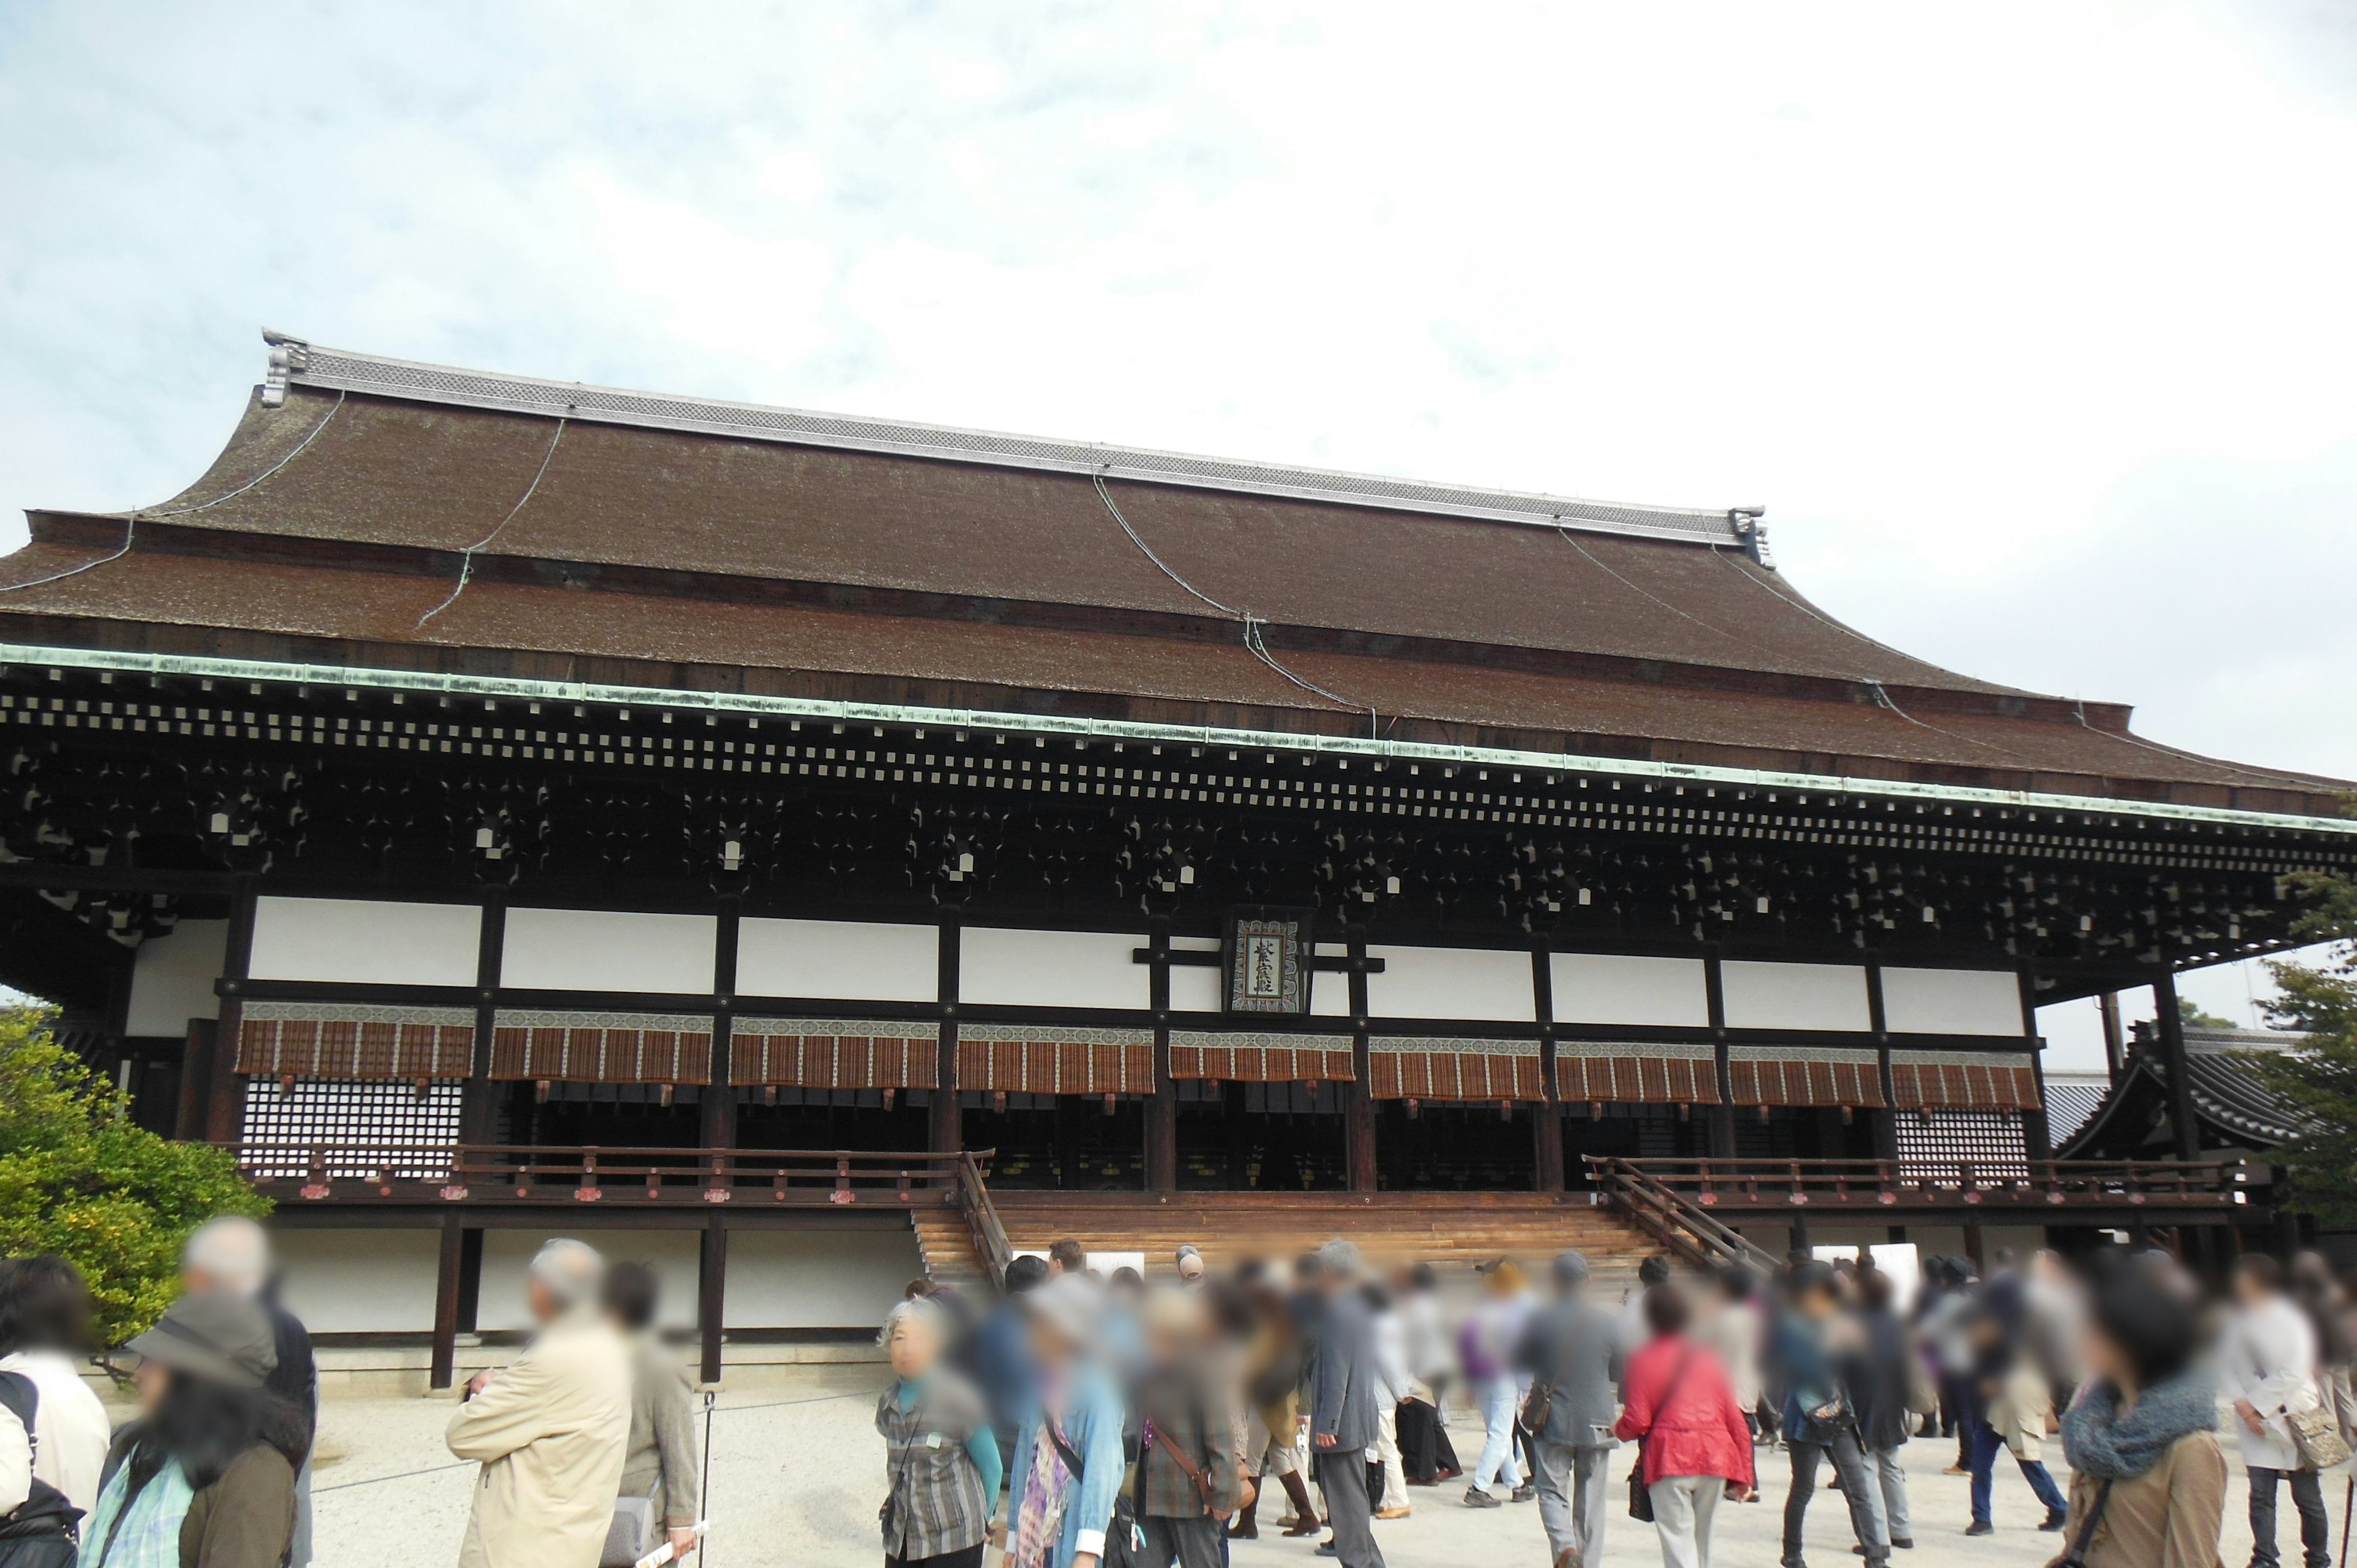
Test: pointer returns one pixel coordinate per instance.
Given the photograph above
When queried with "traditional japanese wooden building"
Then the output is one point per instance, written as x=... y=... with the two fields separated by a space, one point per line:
x=477 y=796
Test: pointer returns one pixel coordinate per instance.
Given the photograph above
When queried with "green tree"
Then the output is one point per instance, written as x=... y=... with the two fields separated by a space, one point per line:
x=78 y=1178
x=2320 y=1076
x=2190 y=1014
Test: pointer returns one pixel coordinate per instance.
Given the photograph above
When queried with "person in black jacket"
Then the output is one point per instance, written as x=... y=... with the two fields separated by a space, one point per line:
x=231 y=1254
x=1879 y=1380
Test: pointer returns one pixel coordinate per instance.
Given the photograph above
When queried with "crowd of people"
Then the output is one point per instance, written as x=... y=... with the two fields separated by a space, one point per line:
x=1096 y=1421
x=1090 y=1420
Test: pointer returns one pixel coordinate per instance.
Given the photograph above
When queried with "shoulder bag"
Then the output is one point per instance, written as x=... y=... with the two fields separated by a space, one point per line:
x=2316 y=1433
x=1640 y=1495
x=1124 y=1542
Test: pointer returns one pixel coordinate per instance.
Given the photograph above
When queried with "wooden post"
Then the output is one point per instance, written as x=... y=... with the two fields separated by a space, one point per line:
x=717 y=1105
x=442 y=1372
x=2036 y=1141
x=711 y=1294
x=224 y=1115
x=946 y=1124
x=2116 y=1055
x=470 y=1279
x=1162 y=1108
x=479 y=1103
x=1722 y=1115
x=2185 y=1135
x=1973 y=1242
x=1882 y=1123
x=1546 y=1116
x=195 y=1079
x=1358 y=1112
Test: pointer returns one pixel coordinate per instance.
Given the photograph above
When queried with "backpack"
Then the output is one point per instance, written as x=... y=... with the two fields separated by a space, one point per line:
x=41 y=1532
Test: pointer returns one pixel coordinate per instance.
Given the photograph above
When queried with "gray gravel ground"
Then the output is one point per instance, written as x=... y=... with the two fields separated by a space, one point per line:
x=796 y=1477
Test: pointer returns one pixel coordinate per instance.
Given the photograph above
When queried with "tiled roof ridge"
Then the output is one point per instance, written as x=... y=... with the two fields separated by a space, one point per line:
x=295 y=362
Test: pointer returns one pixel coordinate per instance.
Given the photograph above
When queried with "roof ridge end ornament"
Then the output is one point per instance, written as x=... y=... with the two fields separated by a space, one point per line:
x=287 y=354
x=1745 y=520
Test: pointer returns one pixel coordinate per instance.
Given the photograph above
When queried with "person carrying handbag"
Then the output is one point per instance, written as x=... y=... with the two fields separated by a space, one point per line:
x=1694 y=1443
x=1819 y=1421
x=1572 y=1350
x=2266 y=1366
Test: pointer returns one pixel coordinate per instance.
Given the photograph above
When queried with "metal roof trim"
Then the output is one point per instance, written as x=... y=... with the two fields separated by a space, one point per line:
x=298 y=363
x=839 y=712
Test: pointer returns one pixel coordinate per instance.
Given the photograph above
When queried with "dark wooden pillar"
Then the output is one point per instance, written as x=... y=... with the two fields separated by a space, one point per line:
x=2035 y=1139
x=1722 y=1115
x=2185 y=1135
x=479 y=1101
x=443 y=1371
x=1358 y=1114
x=1883 y=1123
x=717 y=1118
x=711 y=1296
x=223 y=1114
x=470 y=1279
x=948 y=1133
x=2116 y=1054
x=1162 y=1108
x=1972 y=1243
x=195 y=1079
x=1546 y=1116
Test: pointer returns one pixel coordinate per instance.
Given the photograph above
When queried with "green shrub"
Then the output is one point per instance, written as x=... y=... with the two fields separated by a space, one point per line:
x=79 y=1179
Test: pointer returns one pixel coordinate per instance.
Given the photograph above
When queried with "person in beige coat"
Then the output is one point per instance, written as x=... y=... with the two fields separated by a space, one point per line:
x=550 y=1429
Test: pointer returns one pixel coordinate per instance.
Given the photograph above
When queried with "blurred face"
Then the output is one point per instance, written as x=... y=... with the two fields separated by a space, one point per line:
x=913 y=1348
x=2106 y=1360
x=2248 y=1289
x=540 y=1302
x=150 y=1380
x=1048 y=1348
x=1190 y=1269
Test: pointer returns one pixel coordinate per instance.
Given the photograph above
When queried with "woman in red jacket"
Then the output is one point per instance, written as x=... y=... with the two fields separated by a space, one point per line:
x=1678 y=1402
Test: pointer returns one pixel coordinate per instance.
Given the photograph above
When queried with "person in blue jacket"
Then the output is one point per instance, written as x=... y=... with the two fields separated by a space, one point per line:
x=1067 y=1462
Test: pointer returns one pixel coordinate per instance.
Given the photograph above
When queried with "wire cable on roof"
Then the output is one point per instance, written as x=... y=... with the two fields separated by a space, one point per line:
x=1255 y=644
x=131 y=520
x=2079 y=710
x=467 y=557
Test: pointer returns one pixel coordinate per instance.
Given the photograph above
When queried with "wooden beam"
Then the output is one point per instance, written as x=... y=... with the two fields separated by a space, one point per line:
x=2185 y=1133
x=223 y=1114
x=711 y=1295
x=946 y=1124
x=1722 y=1115
x=1359 y=1102
x=195 y=1079
x=479 y=1101
x=2116 y=1055
x=2036 y=1140
x=1162 y=1107
x=1546 y=1117
x=716 y=1107
x=448 y=1267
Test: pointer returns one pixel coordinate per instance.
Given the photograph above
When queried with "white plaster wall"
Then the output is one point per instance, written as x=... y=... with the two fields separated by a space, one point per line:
x=1195 y=988
x=361 y=1282
x=1952 y=1002
x=817 y=1279
x=507 y=1255
x=999 y=966
x=1330 y=995
x=853 y=959
x=1795 y=996
x=364 y=943
x=172 y=978
x=1452 y=982
x=598 y=949
x=1613 y=988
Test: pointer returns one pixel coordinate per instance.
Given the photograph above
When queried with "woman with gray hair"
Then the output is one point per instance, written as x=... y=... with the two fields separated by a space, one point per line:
x=941 y=1468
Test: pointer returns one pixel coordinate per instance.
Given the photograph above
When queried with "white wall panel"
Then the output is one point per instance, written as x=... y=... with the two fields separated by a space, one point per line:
x=1452 y=982
x=1002 y=967
x=363 y=942
x=1615 y=988
x=361 y=1282
x=598 y=950
x=815 y=1279
x=857 y=960
x=1952 y=1002
x=1330 y=995
x=1795 y=996
x=507 y=1254
x=172 y=978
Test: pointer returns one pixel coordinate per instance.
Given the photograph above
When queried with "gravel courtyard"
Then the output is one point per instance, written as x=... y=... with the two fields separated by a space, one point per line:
x=796 y=1480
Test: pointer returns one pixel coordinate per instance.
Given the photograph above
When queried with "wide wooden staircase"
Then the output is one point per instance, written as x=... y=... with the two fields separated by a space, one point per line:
x=1453 y=1230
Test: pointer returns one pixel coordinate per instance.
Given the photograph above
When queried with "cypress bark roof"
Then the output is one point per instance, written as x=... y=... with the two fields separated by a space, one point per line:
x=663 y=542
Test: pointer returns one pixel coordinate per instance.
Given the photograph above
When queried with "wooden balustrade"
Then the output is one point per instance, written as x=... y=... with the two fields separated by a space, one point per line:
x=1868 y=1186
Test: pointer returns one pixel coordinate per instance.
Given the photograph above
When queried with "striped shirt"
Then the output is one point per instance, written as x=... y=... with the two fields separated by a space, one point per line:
x=935 y=1504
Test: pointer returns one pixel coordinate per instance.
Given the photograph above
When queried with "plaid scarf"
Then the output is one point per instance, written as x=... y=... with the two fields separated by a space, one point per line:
x=1039 y=1524
x=142 y=1532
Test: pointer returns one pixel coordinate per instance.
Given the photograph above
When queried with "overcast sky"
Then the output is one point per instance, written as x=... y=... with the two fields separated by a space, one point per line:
x=2033 y=327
